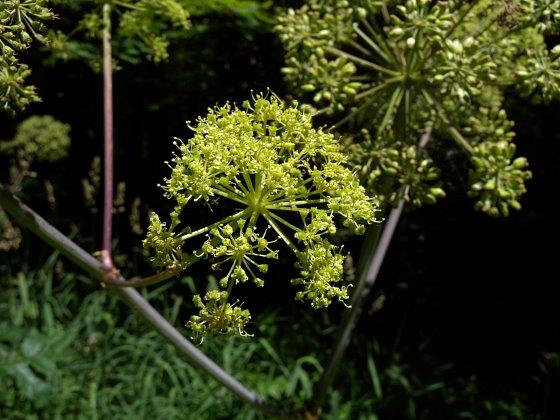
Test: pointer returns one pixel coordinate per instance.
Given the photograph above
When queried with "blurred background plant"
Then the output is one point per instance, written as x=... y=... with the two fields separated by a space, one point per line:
x=38 y=138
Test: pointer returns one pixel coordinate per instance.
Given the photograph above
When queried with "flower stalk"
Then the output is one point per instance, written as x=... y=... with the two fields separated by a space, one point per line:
x=107 y=236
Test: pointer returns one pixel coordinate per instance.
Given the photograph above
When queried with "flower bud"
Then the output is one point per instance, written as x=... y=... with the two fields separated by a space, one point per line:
x=396 y=32
x=361 y=13
x=437 y=192
x=514 y=204
x=490 y=185
x=468 y=42
x=520 y=163
x=429 y=199
x=504 y=209
x=455 y=46
x=503 y=193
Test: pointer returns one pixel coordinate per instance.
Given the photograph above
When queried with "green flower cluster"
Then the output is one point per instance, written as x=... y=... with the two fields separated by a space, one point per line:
x=281 y=177
x=540 y=77
x=547 y=12
x=398 y=69
x=239 y=250
x=387 y=165
x=21 y=21
x=216 y=317
x=498 y=179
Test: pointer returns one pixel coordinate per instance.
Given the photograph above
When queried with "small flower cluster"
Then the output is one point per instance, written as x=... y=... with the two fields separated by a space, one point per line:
x=547 y=13
x=498 y=179
x=540 y=75
x=239 y=250
x=396 y=69
x=281 y=177
x=320 y=263
x=21 y=21
x=216 y=316
x=397 y=171
x=308 y=34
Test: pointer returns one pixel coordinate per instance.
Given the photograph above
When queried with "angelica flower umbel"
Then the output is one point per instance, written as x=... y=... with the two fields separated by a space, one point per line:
x=288 y=188
x=396 y=74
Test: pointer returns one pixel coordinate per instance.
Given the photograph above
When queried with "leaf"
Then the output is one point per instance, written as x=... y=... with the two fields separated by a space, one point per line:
x=33 y=387
x=33 y=345
x=39 y=353
x=374 y=376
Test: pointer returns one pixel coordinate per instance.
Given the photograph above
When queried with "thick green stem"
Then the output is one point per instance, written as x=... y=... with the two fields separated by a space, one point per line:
x=95 y=268
x=40 y=227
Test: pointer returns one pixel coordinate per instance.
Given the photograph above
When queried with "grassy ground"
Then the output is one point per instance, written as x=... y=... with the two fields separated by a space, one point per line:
x=69 y=349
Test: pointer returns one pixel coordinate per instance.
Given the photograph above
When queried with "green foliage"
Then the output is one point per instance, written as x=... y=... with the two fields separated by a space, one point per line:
x=29 y=361
x=32 y=344
x=66 y=355
x=216 y=316
x=142 y=29
x=21 y=21
x=63 y=355
x=398 y=70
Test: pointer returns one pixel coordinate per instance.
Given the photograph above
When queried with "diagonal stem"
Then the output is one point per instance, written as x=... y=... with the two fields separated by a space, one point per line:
x=95 y=268
x=375 y=248
x=376 y=245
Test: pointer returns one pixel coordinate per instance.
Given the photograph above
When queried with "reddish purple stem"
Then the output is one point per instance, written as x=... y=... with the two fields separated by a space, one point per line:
x=108 y=141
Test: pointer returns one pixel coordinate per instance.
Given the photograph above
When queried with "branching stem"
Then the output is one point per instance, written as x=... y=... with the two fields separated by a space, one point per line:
x=361 y=61
x=280 y=232
x=95 y=268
